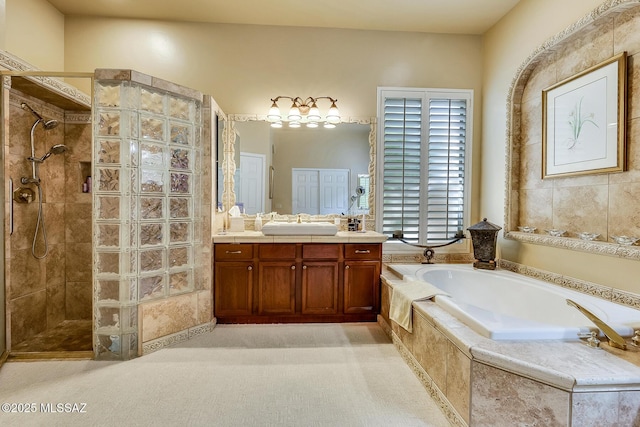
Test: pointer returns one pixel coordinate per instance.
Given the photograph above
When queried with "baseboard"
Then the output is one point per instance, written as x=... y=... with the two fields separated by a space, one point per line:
x=184 y=335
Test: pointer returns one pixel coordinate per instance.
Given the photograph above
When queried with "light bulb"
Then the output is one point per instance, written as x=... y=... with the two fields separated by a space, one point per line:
x=314 y=113
x=274 y=113
x=294 y=124
x=328 y=125
x=333 y=116
x=294 y=113
x=312 y=124
x=277 y=124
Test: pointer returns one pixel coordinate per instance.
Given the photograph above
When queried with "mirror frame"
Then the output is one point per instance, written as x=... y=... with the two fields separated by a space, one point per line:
x=229 y=166
x=513 y=136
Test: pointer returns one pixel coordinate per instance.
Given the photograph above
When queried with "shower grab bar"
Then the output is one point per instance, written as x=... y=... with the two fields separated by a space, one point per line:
x=10 y=206
x=615 y=340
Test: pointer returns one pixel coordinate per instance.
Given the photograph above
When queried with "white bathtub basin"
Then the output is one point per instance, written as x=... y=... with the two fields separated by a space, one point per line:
x=299 y=229
x=502 y=305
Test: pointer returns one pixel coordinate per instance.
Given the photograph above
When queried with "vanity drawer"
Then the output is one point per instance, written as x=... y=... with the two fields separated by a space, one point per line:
x=277 y=251
x=362 y=251
x=321 y=251
x=226 y=252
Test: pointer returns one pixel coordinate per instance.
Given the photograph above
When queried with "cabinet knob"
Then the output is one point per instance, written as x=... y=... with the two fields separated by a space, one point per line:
x=304 y=267
x=346 y=267
x=250 y=268
x=293 y=267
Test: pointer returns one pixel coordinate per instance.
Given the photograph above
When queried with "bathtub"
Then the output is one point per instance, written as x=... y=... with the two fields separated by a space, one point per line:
x=502 y=305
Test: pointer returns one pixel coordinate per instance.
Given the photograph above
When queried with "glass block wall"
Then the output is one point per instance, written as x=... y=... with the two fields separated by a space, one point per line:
x=147 y=209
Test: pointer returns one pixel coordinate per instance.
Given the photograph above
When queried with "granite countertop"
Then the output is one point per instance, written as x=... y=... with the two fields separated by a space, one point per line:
x=250 y=236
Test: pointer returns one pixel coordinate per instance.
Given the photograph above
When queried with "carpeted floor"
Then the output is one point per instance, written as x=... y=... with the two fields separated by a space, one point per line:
x=238 y=375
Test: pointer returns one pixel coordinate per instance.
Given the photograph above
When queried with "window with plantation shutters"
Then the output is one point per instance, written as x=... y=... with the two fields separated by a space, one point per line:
x=423 y=142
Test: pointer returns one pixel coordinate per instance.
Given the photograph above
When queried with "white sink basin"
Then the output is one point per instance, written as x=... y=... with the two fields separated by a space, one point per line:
x=299 y=229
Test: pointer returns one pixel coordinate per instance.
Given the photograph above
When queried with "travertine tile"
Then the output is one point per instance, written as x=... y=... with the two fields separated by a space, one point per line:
x=499 y=398
x=542 y=77
x=531 y=168
x=27 y=273
x=205 y=307
x=633 y=87
x=632 y=174
x=531 y=122
x=581 y=53
x=594 y=409
x=536 y=209
x=78 y=301
x=54 y=223
x=577 y=209
x=430 y=350
x=625 y=33
x=458 y=380
x=55 y=306
x=168 y=316
x=624 y=217
x=28 y=316
x=78 y=262
x=78 y=222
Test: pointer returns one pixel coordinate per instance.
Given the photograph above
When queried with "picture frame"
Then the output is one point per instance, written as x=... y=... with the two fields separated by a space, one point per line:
x=584 y=121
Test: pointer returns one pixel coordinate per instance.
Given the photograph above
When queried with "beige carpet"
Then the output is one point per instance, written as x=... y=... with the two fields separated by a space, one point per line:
x=238 y=375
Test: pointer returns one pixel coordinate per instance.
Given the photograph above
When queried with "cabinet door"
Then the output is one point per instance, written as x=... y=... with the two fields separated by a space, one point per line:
x=361 y=286
x=320 y=287
x=233 y=288
x=277 y=287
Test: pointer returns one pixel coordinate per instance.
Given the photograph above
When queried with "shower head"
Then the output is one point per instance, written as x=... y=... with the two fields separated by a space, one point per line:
x=48 y=124
x=56 y=149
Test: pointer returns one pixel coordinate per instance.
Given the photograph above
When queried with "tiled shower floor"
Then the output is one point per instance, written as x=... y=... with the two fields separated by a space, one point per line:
x=69 y=335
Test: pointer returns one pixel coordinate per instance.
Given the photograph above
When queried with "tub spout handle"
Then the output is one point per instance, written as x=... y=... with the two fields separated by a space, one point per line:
x=615 y=340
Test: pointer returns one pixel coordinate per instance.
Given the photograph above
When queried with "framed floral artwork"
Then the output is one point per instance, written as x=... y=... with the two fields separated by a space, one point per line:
x=584 y=121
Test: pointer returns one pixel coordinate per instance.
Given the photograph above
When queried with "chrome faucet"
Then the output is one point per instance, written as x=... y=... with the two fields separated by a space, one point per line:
x=615 y=340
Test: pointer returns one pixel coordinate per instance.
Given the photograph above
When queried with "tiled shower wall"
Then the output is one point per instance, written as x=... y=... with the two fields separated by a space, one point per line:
x=607 y=204
x=42 y=293
x=152 y=212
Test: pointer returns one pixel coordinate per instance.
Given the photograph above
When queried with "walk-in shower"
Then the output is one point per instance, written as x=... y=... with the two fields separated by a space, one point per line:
x=35 y=176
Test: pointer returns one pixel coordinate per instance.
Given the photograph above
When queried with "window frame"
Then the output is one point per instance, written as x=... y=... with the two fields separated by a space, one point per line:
x=426 y=94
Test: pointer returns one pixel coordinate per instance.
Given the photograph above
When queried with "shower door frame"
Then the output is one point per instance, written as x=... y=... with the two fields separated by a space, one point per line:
x=5 y=315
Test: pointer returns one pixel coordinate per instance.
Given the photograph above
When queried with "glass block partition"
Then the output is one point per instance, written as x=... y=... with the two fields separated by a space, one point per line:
x=147 y=209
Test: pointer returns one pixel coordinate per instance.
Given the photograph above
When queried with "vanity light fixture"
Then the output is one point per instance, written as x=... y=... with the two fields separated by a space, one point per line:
x=303 y=111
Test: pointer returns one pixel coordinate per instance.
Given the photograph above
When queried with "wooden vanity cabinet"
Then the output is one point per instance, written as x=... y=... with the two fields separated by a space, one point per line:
x=296 y=282
x=320 y=278
x=233 y=280
x=361 y=278
x=276 y=279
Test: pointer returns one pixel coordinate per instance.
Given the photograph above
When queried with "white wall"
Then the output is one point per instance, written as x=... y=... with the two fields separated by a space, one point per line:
x=505 y=48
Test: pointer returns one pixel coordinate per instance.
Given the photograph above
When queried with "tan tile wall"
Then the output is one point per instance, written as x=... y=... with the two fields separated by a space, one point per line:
x=607 y=204
x=42 y=293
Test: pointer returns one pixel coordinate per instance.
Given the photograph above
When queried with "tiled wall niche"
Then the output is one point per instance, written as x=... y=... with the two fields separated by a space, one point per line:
x=606 y=204
x=152 y=202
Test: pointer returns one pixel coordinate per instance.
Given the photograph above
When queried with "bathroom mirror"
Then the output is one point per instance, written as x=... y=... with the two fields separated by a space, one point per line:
x=290 y=171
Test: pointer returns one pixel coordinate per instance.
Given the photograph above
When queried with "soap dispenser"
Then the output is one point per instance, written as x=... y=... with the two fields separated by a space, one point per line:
x=257 y=225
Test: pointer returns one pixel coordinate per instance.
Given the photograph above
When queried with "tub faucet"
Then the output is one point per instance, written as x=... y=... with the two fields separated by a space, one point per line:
x=615 y=340
x=429 y=250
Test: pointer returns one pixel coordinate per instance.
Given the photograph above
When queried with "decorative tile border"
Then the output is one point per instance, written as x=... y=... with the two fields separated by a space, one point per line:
x=434 y=392
x=13 y=63
x=604 y=292
x=169 y=340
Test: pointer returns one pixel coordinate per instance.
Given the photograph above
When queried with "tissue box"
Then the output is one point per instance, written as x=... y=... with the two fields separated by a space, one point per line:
x=236 y=223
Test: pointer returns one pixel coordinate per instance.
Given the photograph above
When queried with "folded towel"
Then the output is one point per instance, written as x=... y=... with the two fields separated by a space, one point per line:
x=404 y=293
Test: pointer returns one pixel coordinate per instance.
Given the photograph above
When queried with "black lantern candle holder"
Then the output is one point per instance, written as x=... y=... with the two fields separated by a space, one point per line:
x=484 y=236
